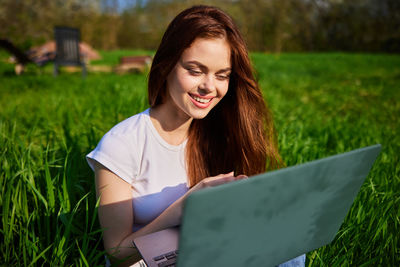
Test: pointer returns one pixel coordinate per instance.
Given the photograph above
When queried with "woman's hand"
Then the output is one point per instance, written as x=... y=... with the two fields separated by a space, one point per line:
x=175 y=209
x=216 y=180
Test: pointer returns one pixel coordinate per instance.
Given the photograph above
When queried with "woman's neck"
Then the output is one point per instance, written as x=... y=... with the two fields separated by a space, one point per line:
x=172 y=124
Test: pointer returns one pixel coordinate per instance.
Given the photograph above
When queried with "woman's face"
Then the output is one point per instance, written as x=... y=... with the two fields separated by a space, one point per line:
x=200 y=79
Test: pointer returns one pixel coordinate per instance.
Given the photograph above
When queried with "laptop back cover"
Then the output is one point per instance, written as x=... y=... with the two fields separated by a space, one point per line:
x=273 y=217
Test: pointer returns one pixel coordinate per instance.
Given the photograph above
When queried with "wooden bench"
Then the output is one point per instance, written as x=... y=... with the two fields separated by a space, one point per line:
x=133 y=64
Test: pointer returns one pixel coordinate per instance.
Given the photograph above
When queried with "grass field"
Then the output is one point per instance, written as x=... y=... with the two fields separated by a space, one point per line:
x=323 y=104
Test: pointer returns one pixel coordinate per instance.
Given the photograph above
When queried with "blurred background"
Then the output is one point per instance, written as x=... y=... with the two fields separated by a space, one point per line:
x=268 y=25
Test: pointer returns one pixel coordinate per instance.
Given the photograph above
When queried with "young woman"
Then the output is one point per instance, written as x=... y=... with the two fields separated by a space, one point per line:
x=207 y=122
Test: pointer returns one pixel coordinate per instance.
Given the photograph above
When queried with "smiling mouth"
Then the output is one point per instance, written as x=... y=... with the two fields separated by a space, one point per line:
x=200 y=99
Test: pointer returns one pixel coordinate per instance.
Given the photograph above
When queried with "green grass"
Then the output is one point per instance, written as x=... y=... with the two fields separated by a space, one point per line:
x=323 y=104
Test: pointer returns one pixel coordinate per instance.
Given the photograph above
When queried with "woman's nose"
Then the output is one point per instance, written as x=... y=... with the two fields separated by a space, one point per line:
x=208 y=83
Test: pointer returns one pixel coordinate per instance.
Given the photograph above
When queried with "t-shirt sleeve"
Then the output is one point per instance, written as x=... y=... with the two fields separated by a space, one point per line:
x=116 y=154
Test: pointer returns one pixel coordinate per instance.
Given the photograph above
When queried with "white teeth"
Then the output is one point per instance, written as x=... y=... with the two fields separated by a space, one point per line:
x=201 y=100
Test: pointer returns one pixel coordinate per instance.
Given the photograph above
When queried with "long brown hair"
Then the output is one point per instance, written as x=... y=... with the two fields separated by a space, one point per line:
x=237 y=134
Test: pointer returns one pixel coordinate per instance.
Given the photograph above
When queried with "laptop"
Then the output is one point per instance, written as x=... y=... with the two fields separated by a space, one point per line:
x=265 y=220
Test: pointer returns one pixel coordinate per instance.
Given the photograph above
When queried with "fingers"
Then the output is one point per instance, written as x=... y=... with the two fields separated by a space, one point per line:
x=224 y=175
x=214 y=181
x=222 y=179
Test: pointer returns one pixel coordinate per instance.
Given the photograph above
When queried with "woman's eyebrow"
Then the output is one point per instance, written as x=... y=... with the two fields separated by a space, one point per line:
x=224 y=70
x=195 y=62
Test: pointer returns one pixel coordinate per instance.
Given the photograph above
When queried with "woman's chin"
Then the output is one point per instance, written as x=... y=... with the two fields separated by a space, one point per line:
x=199 y=114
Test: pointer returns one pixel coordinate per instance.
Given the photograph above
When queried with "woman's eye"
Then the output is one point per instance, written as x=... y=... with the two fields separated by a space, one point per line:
x=223 y=77
x=194 y=72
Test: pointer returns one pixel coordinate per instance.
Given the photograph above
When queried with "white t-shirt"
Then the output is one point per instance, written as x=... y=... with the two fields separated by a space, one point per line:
x=135 y=152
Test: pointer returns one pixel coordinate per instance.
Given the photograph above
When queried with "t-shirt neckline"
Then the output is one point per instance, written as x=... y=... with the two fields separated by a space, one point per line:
x=158 y=136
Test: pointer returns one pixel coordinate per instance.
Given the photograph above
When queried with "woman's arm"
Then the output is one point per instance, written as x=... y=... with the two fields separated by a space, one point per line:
x=116 y=212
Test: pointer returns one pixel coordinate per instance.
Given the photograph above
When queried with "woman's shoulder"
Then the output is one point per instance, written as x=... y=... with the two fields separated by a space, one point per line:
x=130 y=126
x=120 y=148
x=123 y=142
